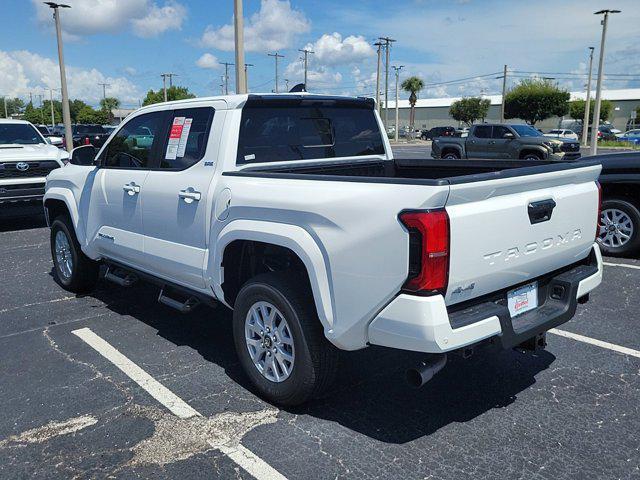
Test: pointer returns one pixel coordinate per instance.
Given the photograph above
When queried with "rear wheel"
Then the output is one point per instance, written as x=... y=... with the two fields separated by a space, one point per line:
x=619 y=227
x=279 y=339
x=73 y=270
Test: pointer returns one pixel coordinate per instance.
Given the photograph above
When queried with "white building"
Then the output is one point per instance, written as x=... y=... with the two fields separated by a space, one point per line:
x=434 y=112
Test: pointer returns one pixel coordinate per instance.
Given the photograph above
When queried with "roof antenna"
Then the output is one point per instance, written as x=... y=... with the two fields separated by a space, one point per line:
x=301 y=87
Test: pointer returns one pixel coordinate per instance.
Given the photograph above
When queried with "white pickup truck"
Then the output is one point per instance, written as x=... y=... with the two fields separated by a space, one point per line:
x=26 y=158
x=291 y=210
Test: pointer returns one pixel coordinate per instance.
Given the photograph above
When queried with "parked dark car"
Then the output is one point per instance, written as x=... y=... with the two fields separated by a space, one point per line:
x=89 y=134
x=437 y=132
x=605 y=132
x=619 y=232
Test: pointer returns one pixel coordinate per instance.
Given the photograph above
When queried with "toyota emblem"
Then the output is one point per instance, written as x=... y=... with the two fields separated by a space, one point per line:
x=22 y=166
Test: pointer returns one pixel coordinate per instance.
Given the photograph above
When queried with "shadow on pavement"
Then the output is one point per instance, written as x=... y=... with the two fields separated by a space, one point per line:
x=370 y=395
x=15 y=223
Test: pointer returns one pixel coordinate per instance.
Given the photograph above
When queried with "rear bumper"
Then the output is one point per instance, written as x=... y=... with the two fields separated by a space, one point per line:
x=424 y=324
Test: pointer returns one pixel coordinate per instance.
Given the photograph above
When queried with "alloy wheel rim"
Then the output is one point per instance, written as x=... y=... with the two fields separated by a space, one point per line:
x=616 y=228
x=64 y=259
x=269 y=341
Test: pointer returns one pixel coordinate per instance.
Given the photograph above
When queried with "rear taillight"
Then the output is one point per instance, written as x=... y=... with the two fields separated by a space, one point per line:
x=598 y=220
x=87 y=141
x=428 y=251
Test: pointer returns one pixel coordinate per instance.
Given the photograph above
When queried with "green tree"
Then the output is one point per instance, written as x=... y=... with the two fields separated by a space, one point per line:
x=107 y=105
x=57 y=110
x=576 y=109
x=173 y=93
x=468 y=110
x=34 y=115
x=412 y=86
x=536 y=100
x=14 y=106
x=75 y=106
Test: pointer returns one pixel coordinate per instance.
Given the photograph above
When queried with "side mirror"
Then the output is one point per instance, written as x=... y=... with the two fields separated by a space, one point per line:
x=84 y=155
x=509 y=136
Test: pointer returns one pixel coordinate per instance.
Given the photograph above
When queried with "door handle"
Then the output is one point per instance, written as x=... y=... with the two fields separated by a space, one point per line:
x=131 y=188
x=190 y=195
x=492 y=142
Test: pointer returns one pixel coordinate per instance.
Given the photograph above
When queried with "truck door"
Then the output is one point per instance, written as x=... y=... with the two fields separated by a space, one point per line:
x=114 y=213
x=499 y=146
x=177 y=205
x=477 y=143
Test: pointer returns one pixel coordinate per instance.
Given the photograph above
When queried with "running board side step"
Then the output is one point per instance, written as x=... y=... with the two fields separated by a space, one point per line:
x=185 y=306
x=120 y=277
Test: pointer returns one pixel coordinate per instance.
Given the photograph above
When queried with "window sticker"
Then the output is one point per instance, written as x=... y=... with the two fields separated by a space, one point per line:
x=174 y=138
x=184 y=135
x=251 y=156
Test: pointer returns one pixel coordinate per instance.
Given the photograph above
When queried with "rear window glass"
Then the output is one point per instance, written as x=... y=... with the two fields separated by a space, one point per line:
x=272 y=133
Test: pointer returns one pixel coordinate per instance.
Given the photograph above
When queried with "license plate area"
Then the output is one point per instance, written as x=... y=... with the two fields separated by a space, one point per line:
x=522 y=299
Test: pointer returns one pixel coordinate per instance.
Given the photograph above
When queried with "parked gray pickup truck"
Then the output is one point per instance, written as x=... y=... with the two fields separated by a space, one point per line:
x=498 y=142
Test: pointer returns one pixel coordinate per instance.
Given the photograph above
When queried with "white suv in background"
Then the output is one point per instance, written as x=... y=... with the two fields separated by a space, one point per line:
x=561 y=133
x=26 y=158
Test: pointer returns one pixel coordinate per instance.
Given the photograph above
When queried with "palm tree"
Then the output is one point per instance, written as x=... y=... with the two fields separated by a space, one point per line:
x=412 y=86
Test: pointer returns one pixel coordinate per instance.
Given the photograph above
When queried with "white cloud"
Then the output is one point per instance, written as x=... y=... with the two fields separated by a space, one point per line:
x=320 y=79
x=208 y=60
x=160 y=19
x=25 y=72
x=90 y=17
x=331 y=49
x=274 y=27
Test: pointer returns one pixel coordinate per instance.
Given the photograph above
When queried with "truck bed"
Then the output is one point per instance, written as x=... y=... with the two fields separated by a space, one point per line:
x=412 y=171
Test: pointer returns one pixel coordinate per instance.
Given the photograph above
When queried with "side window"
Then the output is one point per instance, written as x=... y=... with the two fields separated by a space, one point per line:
x=482 y=131
x=188 y=137
x=499 y=131
x=131 y=147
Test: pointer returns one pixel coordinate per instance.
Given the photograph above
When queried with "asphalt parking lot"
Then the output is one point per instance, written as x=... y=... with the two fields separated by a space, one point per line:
x=116 y=385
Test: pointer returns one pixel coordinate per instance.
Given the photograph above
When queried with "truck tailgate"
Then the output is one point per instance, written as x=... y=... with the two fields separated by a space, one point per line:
x=500 y=236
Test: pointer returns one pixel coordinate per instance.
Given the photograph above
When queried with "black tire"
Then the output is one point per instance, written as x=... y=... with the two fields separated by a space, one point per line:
x=632 y=245
x=84 y=272
x=315 y=363
x=451 y=156
x=532 y=156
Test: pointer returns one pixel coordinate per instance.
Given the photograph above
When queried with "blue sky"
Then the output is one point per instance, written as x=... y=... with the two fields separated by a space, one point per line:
x=128 y=43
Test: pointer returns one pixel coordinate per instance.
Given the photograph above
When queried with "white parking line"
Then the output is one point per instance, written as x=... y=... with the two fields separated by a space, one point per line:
x=596 y=342
x=244 y=457
x=623 y=265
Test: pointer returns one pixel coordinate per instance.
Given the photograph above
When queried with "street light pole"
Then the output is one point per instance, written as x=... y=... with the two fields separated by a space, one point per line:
x=66 y=113
x=397 y=69
x=53 y=117
x=587 y=105
x=241 y=73
x=596 y=111
x=276 y=56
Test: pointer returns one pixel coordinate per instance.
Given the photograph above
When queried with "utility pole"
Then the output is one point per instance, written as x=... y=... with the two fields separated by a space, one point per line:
x=41 y=97
x=379 y=45
x=226 y=76
x=246 y=76
x=387 y=46
x=241 y=73
x=587 y=105
x=397 y=70
x=596 y=112
x=504 y=93
x=164 y=82
x=306 y=65
x=276 y=56
x=104 y=89
x=66 y=113
x=6 y=115
x=53 y=116
x=286 y=84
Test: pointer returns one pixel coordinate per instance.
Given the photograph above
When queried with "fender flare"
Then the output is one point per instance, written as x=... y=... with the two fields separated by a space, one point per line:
x=534 y=148
x=293 y=237
x=64 y=195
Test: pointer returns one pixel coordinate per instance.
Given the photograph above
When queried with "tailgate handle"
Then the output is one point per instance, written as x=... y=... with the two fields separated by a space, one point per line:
x=541 y=211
